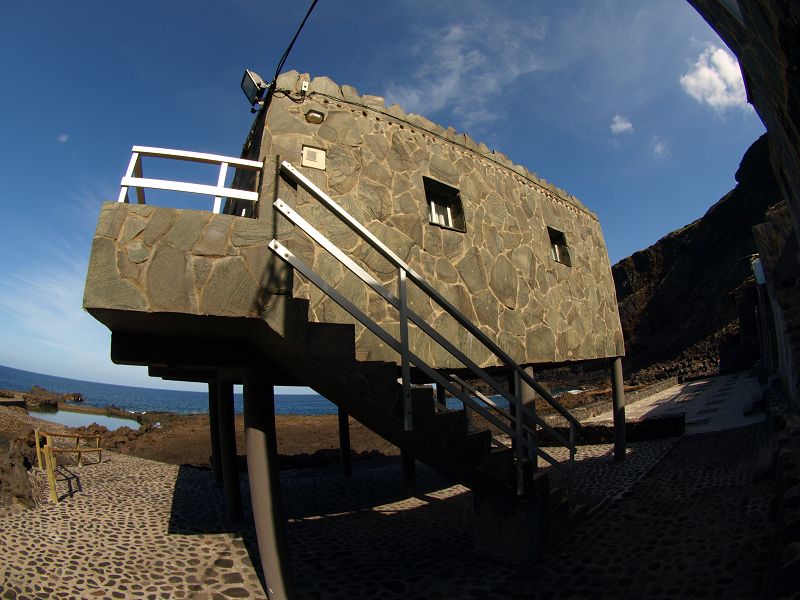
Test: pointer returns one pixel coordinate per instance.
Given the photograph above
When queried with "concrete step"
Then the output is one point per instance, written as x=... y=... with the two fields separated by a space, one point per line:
x=500 y=464
x=474 y=447
x=377 y=380
x=446 y=428
x=422 y=404
x=332 y=345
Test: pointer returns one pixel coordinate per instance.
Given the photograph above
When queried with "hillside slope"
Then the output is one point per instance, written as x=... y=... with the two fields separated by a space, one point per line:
x=675 y=297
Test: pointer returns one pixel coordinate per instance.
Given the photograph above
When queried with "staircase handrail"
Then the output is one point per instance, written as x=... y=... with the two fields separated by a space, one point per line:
x=287 y=255
x=297 y=263
x=378 y=288
x=504 y=412
x=389 y=255
x=523 y=436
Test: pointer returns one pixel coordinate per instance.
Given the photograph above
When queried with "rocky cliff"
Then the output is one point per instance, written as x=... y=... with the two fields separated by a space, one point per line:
x=676 y=298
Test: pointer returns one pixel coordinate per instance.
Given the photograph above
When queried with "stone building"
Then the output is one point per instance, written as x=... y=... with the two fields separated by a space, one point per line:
x=519 y=257
x=363 y=251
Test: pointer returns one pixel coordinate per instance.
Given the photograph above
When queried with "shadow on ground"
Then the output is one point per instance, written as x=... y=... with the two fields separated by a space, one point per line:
x=684 y=530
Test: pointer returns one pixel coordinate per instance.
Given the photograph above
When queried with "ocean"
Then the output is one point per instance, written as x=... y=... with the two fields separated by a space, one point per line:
x=136 y=399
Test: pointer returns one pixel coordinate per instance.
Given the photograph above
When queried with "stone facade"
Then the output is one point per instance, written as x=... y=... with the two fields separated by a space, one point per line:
x=181 y=261
x=499 y=271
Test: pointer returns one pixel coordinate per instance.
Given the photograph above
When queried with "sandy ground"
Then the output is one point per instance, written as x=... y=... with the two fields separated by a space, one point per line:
x=184 y=439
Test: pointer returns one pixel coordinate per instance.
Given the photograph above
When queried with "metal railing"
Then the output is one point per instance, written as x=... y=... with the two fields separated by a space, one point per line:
x=134 y=177
x=522 y=421
x=46 y=450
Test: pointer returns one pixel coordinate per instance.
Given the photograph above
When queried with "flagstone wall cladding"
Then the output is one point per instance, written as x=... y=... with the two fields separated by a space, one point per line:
x=499 y=273
x=162 y=259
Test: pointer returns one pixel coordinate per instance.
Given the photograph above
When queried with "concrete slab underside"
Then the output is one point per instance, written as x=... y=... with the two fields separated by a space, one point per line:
x=137 y=528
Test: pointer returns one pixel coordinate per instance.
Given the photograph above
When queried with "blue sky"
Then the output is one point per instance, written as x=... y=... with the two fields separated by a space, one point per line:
x=633 y=106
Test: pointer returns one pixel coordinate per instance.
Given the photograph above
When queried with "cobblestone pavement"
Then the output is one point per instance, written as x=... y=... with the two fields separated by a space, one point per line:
x=695 y=526
x=679 y=518
x=131 y=527
x=356 y=539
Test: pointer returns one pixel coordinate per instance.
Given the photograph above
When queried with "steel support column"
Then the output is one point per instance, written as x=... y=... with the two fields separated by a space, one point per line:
x=441 y=394
x=262 y=470
x=344 y=441
x=511 y=382
x=529 y=402
x=227 y=450
x=618 y=392
x=213 y=426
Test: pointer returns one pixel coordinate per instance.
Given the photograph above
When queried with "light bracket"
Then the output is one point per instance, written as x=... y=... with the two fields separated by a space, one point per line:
x=253 y=87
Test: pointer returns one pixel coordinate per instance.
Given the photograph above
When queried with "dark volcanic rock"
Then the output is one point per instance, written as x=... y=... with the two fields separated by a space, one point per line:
x=39 y=396
x=42 y=397
x=675 y=297
x=14 y=467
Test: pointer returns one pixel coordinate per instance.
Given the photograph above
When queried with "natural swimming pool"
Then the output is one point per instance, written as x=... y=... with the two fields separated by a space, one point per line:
x=81 y=419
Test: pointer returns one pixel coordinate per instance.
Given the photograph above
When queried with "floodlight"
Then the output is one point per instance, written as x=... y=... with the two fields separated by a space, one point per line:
x=253 y=86
x=315 y=117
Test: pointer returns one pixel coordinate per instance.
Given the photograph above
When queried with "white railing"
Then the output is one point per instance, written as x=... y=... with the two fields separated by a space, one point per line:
x=134 y=177
x=522 y=419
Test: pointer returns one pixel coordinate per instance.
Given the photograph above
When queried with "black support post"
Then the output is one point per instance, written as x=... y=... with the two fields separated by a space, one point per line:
x=529 y=402
x=262 y=470
x=618 y=392
x=213 y=425
x=227 y=450
x=441 y=394
x=344 y=441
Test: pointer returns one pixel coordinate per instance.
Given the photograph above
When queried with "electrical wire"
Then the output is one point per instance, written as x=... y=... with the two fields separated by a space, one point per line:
x=299 y=100
x=289 y=49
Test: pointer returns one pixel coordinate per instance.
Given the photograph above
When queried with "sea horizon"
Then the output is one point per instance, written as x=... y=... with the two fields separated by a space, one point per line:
x=142 y=400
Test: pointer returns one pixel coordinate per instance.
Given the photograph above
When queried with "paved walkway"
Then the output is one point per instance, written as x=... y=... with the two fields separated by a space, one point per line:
x=680 y=520
x=132 y=528
x=713 y=404
x=696 y=526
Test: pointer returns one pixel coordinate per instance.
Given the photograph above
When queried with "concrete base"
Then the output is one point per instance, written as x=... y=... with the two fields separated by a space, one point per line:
x=509 y=527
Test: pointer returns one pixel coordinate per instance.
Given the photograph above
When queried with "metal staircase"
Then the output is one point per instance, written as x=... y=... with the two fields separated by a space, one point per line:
x=503 y=460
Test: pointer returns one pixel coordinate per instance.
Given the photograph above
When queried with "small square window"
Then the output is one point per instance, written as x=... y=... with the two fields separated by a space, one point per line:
x=444 y=205
x=558 y=246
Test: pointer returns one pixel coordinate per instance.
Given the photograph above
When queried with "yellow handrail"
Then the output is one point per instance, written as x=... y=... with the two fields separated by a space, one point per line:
x=49 y=449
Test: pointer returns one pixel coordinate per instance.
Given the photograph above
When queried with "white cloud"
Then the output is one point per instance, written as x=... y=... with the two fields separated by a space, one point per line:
x=51 y=314
x=63 y=138
x=659 y=147
x=620 y=124
x=716 y=80
x=466 y=65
